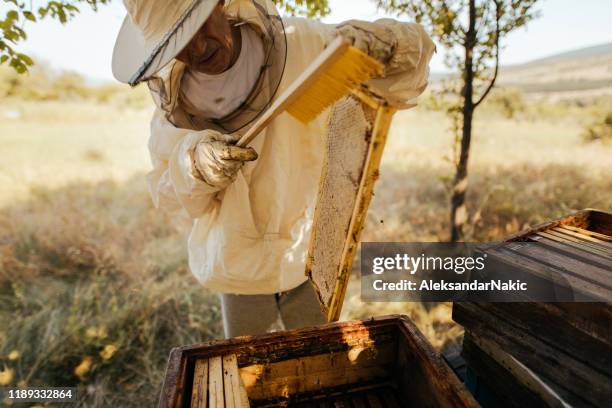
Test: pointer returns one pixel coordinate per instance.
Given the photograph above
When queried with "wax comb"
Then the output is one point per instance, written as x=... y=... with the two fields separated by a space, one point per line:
x=337 y=71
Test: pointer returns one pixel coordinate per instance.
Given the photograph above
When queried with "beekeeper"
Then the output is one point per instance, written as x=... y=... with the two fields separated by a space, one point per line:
x=213 y=67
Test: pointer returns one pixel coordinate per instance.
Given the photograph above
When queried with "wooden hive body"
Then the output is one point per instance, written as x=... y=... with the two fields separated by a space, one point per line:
x=382 y=362
x=550 y=353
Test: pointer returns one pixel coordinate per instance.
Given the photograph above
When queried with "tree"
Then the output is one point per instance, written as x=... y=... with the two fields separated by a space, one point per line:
x=471 y=31
x=19 y=12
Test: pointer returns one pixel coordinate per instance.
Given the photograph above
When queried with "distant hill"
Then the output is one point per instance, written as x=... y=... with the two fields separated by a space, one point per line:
x=585 y=69
x=595 y=50
x=582 y=71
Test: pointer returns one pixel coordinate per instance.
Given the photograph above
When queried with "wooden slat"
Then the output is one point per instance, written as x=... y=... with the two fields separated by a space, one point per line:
x=587 y=271
x=576 y=252
x=200 y=384
x=582 y=237
x=573 y=242
x=234 y=395
x=543 y=272
x=215 y=382
x=570 y=238
x=593 y=234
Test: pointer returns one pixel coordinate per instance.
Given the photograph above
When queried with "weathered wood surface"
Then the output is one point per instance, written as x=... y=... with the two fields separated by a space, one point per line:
x=586 y=337
x=568 y=345
x=420 y=371
x=199 y=393
x=305 y=374
x=513 y=384
x=215 y=382
x=542 y=275
x=355 y=140
x=232 y=383
x=571 y=242
x=573 y=252
x=576 y=365
x=347 y=339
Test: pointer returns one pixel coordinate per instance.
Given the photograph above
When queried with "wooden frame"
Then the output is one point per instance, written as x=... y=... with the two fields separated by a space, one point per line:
x=384 y=350
x=376 y=140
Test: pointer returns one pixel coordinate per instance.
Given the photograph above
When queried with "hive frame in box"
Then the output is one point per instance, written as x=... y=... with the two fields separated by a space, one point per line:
x=345 y=192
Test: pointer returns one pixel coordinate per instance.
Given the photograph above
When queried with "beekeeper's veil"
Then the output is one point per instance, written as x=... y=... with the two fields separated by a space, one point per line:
x=164 y=74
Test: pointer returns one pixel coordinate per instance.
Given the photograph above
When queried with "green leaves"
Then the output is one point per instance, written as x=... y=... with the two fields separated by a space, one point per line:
x=12 y=15
x=306 y=8
x=12 y=26
x=25 y=59
x=29 y=15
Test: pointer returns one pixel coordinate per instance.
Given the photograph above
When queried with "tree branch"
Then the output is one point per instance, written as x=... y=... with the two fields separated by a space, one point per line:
x=496 y=70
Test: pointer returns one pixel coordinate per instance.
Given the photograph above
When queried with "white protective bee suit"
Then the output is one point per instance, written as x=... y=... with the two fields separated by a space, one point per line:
x=251 y=237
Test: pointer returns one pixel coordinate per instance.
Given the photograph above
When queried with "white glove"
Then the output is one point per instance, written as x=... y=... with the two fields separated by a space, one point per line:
x=217 y=159
x=376 y=40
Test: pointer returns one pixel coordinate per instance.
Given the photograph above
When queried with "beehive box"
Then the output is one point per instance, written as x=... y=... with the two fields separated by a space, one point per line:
x=382 y=362
x=552 y=351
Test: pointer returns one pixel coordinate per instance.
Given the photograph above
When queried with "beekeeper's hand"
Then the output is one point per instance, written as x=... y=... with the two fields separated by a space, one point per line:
x=217 y=159
x=376 y=40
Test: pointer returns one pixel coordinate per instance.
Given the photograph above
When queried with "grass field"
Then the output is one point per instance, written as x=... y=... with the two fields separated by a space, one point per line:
x=94 y=286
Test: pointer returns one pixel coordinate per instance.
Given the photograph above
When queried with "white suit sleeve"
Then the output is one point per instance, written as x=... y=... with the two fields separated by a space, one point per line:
x=408 y=70
x=172 y=183
x=406 y=49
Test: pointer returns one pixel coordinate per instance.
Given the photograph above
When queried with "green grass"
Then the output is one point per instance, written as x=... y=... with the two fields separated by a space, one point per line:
x=94 y=286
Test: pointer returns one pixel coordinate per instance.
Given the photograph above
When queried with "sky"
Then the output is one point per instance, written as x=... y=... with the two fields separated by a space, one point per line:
x=86 y=43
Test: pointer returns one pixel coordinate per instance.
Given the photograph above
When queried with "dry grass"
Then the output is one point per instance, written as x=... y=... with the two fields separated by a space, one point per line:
x=94 y=287
x=521 y=173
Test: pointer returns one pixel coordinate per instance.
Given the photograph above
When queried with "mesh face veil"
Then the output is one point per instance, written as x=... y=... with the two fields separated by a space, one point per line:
x=261 y=16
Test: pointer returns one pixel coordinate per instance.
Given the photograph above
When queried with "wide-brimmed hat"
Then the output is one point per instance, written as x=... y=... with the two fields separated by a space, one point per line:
x=153 y=33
